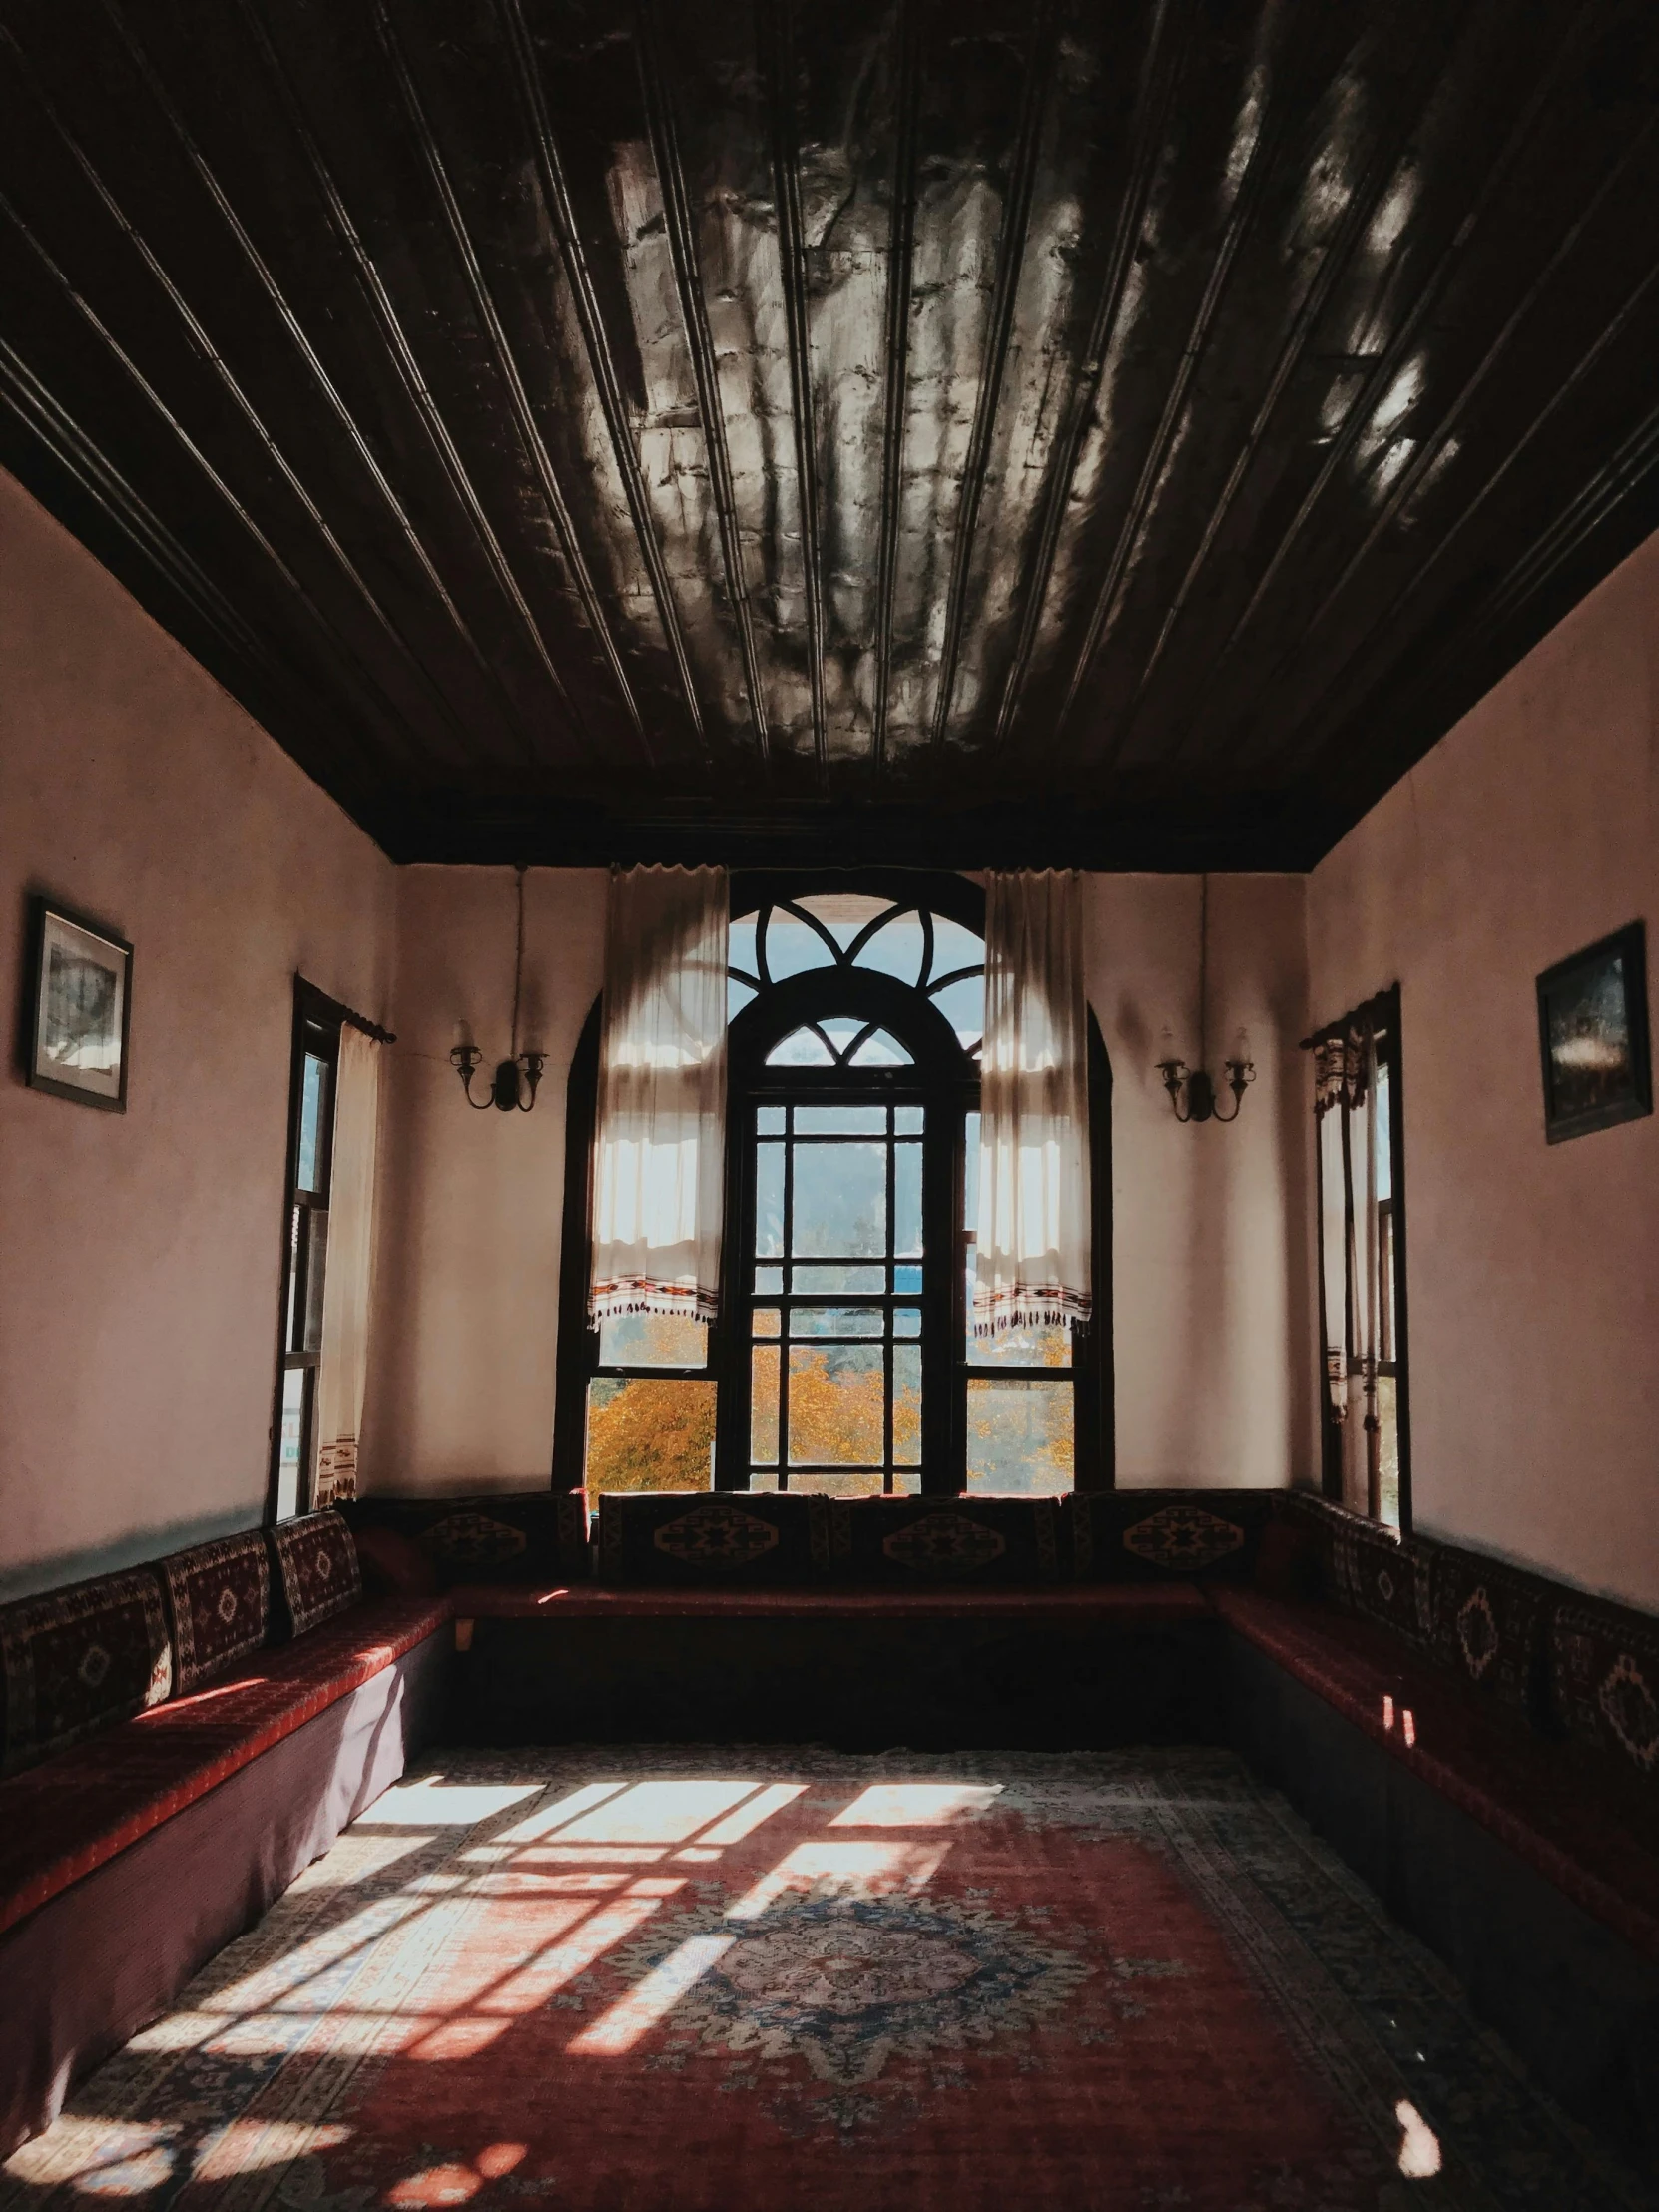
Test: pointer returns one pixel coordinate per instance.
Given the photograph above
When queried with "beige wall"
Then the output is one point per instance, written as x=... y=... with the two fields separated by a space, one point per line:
x=1526 y=833
x=1210 y=1223
x=140 y=1253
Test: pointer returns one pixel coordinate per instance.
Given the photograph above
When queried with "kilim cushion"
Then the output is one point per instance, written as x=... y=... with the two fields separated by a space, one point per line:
x=220 y=1596
x=80 y=1659
x=1488 y=1624
x=736 y=1540
x=1152 y=1535
x=522 y=1536
x=933 y=1540
x=1604 y=1681
x=1383 y=1579
x=317 y=1568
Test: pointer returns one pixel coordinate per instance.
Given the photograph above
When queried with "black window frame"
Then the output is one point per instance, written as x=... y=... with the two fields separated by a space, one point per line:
x=943 y=1079
x=1381 y=1015
x=318 y=1021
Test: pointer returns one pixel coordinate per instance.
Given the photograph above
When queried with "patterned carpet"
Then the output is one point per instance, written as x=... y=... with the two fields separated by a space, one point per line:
x=709 y=1981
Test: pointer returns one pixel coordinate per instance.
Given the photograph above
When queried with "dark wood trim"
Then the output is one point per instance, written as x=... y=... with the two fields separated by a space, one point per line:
x=312 y=1009
x=1095 y=1353
x=575 y=1341
x=1393 y=1032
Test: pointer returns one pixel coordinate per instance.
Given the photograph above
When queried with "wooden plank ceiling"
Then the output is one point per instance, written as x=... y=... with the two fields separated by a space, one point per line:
x=986 y=433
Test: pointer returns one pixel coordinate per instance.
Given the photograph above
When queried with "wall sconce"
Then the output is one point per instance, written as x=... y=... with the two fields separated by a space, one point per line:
x=1198 y=1085
x=520 y=1072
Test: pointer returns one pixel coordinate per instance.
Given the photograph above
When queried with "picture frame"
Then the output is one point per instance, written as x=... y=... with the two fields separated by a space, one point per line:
x=80 y=1008
x=1593 y=1037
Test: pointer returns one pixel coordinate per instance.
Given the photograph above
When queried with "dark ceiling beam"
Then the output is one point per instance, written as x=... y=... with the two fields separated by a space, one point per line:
x=1393 y=358
x=1160 y=72
x=1423 y=460
x=901 y=265
x=561 y=215
x=1155 y=466
x=778 y=65
x=694 y=313
x=82 y=308
x=1431 y=51
x=518 y=401
x=407 y=369
x=318 y=373
x=1010 y=260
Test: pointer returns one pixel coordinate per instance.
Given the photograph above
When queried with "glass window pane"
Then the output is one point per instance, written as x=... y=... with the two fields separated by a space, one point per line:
x=896 y=948
x=801 y=1048
x=840 y=1031
x=837 y=1405
x=763 y=1407
x=841 y=1200
x=767 y=1322
x=844 y=914
x=737 y=996
x=963 y=1006
x=831 y=1281
x=906 y=1321
x=654 y=1432
x=835 y=1321
x=907 y=1406
x=879 y=1050
x=866 y=1484
x=291 y=1436
x=971 y=1174
x=794 y=946
x=291 y=1341
x=769 y=1200
x=740 y=945
x=316 y=1268
x=904 y=1280
x=768 y=1279
x=769 y=1120
x=906 y=1199
x=764 y=1478
x=908 y=1120
x=1388 y=1414
x=314 y=1093
x=1019 y=1437
x=653 y=1341
x=954 y=947
x=1385 y=1135
x=1017 y=1348
x=839 y=1121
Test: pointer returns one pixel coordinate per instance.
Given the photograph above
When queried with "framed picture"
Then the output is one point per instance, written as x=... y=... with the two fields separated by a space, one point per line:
x=80 y=1002
x=1592 y=1031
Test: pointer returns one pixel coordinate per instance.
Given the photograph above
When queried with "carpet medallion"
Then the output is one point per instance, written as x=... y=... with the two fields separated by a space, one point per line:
x=721 y=1980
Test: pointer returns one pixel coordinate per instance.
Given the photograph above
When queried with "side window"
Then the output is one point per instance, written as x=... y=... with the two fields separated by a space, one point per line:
x=304 y=1252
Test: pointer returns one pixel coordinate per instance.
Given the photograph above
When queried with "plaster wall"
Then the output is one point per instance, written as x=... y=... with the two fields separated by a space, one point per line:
x=1210 y=1260
x=1525 y=834
x=141 y=1253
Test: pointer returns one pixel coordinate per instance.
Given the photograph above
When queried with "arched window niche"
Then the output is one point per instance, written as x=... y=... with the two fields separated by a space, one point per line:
x=842 y=1360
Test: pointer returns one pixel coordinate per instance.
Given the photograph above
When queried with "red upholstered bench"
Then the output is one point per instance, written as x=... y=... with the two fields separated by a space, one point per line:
x=1118 y=1604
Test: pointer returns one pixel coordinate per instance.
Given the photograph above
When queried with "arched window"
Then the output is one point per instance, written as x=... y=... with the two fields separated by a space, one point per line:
x=842 y=1360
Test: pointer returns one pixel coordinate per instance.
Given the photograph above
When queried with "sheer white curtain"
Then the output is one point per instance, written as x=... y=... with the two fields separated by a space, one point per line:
x=342 y=1368
x=1032 y=1256
x=658 y=1173
x=1345 y=1101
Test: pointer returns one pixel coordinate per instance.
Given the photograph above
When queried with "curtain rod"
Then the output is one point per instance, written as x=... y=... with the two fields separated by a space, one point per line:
x=369 y=1028
x=1384 y=1003
x=308 y=993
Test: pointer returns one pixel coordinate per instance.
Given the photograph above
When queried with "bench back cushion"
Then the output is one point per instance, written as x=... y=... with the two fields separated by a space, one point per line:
x=78 y=1660
x=318 y=1574
x=930 y=1543
x=1489 y=1624
x=536 y=1538
x=1604 y=1681
x=1167 y=1535
x=742 y=1539
x=220 y=1599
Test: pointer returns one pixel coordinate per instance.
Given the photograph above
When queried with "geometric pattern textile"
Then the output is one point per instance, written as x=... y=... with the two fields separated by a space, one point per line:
x=317 y=1568
x=670 y=1982
x=1605 y=1665
x=1488 y=1625
x=77 y=1660
x=220 y=1595
x=731 y=1540
x=1149 y=1535
x=985 y=1541
x=520 y=1536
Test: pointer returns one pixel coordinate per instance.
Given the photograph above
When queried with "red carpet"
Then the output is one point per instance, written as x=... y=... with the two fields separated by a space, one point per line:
x=716 y=1984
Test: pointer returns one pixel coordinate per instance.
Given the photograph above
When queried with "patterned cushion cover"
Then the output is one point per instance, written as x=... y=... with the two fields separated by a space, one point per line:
x=220 y=1599
x=1604 y=1681
x=736 y=1540
x=523 y=1536
x=79 y=1659
x=317 y=1568
x=1152 y=1535
x=937 y=1541
x=1382 y=1579
x=1488 y=1624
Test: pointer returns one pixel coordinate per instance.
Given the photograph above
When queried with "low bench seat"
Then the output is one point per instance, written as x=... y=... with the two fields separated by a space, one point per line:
x=1120 y=1604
